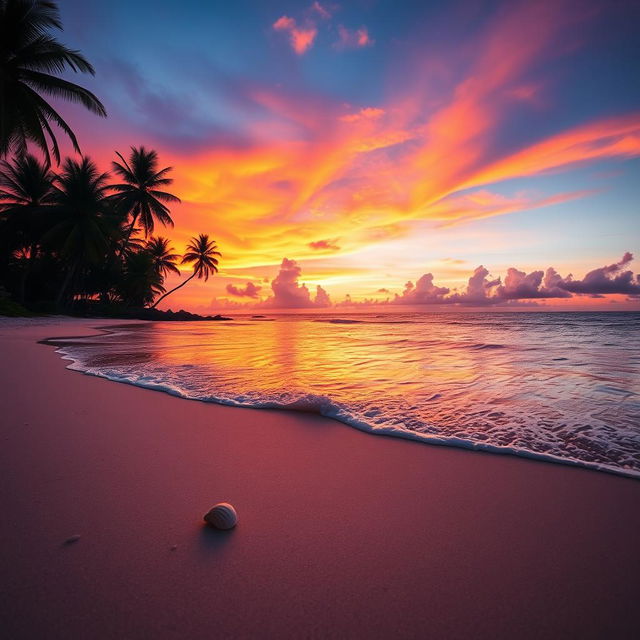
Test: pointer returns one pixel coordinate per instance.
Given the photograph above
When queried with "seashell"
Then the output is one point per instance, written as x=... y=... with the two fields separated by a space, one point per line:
x=222 y=516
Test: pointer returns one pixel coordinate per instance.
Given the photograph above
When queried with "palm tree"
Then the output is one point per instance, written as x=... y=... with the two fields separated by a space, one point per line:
x=139 y=196
x=84 y=222
x=26 y=188
x=140 y=282
x=201 y=252
x=29 y=56
x=164 y=260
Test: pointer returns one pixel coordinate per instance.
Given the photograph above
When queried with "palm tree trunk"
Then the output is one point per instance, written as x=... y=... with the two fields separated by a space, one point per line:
x=112 y=257
x=129 y=232
x=162 y=297
x=23 y=284
x=26 y=272
x=65 y=285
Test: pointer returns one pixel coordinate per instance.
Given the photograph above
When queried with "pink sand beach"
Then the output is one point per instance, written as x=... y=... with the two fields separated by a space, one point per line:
x=340 y=534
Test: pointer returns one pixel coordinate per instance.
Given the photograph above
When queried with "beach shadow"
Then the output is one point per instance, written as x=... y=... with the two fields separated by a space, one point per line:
x=214 y=540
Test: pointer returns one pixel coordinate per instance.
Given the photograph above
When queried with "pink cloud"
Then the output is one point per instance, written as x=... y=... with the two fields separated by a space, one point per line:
x=608 y=279
x=323 y=12
x=288 y=293
x=423 y=292
x=284 y=23
x=366 y=113
x=486 y=204
x=250 y=290
x=322 y=298
x=303 y=32
x=518 y=285
x=353 y=38
x=327 y=245
x=301 y=39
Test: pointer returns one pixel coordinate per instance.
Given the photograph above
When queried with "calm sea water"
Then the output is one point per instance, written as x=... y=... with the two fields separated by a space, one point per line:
x=558 y=386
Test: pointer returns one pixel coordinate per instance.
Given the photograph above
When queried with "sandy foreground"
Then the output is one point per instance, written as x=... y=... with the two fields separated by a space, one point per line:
x=341 y=533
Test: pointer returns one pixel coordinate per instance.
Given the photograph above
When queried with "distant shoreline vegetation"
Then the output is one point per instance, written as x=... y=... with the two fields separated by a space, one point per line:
x=76 y=240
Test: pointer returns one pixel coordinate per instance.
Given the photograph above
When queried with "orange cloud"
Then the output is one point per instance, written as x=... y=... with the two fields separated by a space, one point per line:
x=612 y=138
x=313 y=172
x=280 y=196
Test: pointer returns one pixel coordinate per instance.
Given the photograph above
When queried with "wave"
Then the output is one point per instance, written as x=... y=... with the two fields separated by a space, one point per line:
x=340 y=321
x=353 y=321
x=325 y=406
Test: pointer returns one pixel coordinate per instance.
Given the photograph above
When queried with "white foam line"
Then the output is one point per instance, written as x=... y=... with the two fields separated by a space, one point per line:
x=325 y=407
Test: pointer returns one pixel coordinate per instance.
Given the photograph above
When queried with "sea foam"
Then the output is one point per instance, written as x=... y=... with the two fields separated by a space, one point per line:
x=422 y=382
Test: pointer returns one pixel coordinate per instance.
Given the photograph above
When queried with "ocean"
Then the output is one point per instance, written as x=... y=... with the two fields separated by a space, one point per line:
x=561 y=387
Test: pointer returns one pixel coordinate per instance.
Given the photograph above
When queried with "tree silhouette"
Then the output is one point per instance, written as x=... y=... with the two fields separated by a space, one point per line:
x=26 y=188
x=29 y=58
x=202 y=253
x=139 y=196
x=84 y=222
x=163 y=256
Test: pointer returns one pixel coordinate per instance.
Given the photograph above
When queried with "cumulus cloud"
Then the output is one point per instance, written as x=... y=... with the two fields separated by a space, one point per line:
x=288 y=293
x=423 y=292
x=325 y=245
x=520 y=286
x=250 y=290
x=479 y=289
x=605 y=280
x=322 y=298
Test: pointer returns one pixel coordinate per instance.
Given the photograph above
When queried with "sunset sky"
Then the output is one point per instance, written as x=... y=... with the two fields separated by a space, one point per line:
x=358 y=146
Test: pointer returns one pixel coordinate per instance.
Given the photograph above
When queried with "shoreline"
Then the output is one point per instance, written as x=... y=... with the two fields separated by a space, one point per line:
x=390 y=432
x=340 y=534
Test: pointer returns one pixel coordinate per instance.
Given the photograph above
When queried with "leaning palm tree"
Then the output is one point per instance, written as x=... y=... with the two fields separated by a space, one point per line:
x=202 y=253
x=84 y=222
x=139 y=196
x=29 y=58
x=26 y=188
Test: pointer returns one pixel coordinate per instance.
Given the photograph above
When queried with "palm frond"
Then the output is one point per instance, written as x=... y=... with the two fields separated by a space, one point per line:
x=30 y=61
x=59 y=88
x=45 y=53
